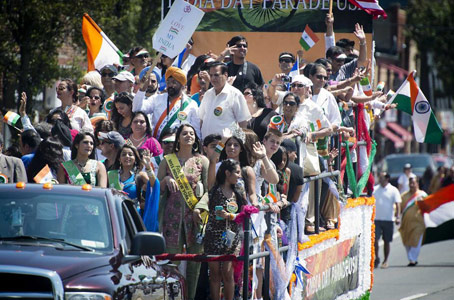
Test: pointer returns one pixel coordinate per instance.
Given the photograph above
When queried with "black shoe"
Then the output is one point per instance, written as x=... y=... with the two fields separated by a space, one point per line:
x=377 y=262
x=412 y=264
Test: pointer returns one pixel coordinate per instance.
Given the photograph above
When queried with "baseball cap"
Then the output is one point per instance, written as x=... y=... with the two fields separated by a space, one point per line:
x=303 y=79
x=289 y=145
x=114 y=137
x=407 y=166
x=169 y=139
x=111 y=68
x=341 y=56
x=125 y=75
x=287 y=55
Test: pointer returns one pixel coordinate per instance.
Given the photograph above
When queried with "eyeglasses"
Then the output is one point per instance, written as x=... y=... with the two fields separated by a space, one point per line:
x=95 y=97
x=289 y=103
x=241 y=45
x=285 y=60
x=153 y=81
x=295 y=85
x=319 y=76
x=108 y=74
x=247 y=93
x=142 y=56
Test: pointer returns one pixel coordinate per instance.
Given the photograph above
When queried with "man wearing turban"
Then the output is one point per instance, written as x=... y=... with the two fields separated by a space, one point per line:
x=171 y=109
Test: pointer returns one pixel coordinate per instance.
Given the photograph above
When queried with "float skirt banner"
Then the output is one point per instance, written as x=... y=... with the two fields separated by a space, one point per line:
x=334 y=271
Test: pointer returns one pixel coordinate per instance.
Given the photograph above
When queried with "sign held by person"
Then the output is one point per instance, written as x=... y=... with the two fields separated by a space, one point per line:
x=177 y=28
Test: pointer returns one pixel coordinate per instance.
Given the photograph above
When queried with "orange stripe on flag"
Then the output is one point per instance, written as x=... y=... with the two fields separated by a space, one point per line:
x=433 y=201
x=413 y=90
x=319 y=124
x=311 y=34
x=93 y=40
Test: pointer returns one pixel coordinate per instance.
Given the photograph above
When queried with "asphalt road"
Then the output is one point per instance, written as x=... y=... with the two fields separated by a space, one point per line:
x=432 y=278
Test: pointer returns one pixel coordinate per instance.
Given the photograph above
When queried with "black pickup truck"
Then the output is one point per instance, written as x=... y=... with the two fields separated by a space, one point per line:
x=72 y=242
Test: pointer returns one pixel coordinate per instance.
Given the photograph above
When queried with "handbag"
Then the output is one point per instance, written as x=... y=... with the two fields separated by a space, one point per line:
x=311 y=164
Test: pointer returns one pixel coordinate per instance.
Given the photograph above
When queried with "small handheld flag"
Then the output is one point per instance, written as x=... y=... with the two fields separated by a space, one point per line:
x=11 y=119
x=44 y=176
x=308 y=38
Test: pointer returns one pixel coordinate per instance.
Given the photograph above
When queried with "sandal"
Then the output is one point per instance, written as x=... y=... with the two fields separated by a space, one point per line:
x=384 y=265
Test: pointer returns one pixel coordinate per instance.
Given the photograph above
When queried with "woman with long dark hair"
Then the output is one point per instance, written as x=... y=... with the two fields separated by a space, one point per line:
x=178 y=199
x=122 y=113
x=222 y=233
x=49 y=152
x=83 y=168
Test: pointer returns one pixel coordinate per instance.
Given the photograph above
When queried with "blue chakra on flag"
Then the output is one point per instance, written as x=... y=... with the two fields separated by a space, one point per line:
x=422 y=107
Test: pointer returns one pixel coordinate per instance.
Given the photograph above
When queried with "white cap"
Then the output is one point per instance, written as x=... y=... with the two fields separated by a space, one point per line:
x=125 y=75
x=302 y=79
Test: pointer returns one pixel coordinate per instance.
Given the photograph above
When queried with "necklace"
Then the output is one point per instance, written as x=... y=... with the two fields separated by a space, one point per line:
x=137 y=140
x=81 y=165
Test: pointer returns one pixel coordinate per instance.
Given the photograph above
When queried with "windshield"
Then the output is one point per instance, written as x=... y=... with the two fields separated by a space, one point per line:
x=73 y=219
x=418 y=163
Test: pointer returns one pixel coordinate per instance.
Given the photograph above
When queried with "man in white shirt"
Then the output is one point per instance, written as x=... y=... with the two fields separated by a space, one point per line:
x=387 y=197
x=403 y=180
x=223 y=104
x=171 y=109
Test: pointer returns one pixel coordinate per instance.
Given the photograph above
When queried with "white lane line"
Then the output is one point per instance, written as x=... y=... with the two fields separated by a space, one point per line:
x=414 y=296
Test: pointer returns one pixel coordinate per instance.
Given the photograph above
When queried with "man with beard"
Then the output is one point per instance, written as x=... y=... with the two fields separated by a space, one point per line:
x=171 y=109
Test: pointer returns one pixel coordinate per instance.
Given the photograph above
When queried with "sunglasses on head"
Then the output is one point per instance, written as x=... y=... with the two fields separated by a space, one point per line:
x=295 y=85
x=319 y=76
x=108 y=74
x=289 y=103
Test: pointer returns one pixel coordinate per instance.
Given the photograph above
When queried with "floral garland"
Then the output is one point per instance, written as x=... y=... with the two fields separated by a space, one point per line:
x=318 y=238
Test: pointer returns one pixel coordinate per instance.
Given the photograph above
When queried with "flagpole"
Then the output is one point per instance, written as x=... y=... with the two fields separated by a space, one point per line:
x=330 y=8
x=153 y=65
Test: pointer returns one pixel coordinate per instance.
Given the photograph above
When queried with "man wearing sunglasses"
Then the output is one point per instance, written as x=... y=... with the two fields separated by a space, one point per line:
x=109 y=144
x=342 y=71
x=286 y=62
x=243 y=71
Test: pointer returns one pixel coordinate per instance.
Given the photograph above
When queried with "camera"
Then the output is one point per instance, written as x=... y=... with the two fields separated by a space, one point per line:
x=286 y=79
x=199 y=238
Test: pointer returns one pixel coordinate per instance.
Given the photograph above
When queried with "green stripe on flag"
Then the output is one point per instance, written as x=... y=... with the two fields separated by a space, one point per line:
x=304 y=44
x=434 y=133
x=403 y=103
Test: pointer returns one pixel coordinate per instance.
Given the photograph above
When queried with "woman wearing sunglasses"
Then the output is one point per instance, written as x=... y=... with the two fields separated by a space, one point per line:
x=97 y=98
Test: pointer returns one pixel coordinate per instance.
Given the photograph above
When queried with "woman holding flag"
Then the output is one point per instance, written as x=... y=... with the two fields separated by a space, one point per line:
x=183 y=175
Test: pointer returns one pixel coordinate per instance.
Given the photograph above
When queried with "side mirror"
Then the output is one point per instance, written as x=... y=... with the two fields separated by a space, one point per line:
x=147 y=243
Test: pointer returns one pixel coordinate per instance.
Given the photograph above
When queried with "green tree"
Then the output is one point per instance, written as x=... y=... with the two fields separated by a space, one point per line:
x=32 y=33
x=431 y=24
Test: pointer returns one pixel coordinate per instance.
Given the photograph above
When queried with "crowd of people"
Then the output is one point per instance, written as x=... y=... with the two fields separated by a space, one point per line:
x=216 y=135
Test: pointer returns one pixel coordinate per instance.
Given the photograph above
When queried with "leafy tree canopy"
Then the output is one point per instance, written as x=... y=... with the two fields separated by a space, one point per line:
x=32 y=33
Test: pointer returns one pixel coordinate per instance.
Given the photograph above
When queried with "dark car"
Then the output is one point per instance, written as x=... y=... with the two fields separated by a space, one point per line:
x=394 y=164
x=72 y=242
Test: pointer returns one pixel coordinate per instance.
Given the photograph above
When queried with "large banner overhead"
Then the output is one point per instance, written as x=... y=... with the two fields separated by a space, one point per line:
x=273 y=26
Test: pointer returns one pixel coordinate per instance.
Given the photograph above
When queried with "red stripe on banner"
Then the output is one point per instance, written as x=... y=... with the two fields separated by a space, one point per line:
x=374 y=12
x=437 y=199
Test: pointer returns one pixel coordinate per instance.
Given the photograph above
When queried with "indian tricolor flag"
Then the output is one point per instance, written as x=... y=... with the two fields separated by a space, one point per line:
x=438 y=212
x=11 y=118
x=100 y=49
x=308 y=38
x=44 y=176
x=410 y=99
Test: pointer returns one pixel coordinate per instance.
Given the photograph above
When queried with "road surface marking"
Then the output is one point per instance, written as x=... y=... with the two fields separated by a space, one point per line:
x=414 y=296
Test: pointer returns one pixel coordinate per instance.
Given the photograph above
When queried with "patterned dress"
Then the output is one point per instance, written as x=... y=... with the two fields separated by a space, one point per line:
x=213 y=241
x=177 y=217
